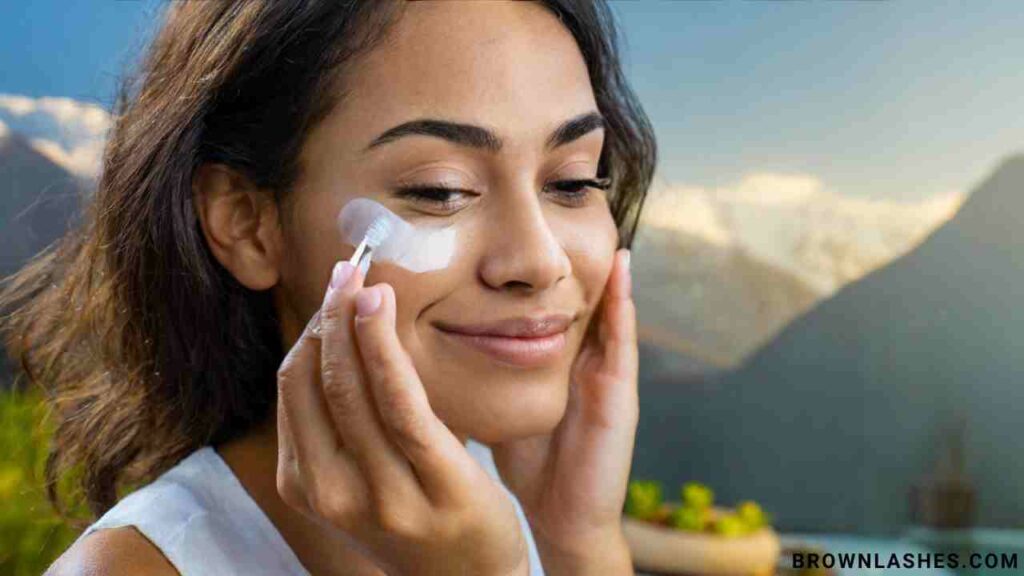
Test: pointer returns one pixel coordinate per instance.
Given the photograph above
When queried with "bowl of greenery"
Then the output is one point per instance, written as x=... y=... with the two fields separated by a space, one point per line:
x=695 y=536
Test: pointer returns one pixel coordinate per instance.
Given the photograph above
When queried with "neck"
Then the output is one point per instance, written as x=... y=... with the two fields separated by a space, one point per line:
x=321 y=550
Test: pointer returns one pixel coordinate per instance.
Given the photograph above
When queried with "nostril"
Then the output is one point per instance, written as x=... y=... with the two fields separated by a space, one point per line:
x=519 y=284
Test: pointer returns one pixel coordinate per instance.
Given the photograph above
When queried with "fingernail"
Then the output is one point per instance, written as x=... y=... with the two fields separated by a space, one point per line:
x=626 y=258
x=367 y=301
x=341 y=274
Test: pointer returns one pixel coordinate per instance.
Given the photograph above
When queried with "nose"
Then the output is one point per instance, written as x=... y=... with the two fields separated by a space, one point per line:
x=523 y=254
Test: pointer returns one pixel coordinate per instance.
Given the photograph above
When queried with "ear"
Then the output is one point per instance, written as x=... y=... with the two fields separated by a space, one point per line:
x=240 y=223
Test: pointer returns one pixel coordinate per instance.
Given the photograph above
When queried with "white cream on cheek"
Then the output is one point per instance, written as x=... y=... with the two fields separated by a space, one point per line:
x=415 y=248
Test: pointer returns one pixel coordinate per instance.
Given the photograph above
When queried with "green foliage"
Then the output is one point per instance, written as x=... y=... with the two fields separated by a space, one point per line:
x=729 y=525
x=697 y=495
x=32 y=535
x=696 y=513
x=752 y=515
x=643 y=498
x=689 y=518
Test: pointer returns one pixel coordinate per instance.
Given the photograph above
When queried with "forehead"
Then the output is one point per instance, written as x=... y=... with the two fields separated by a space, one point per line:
x=508 y=65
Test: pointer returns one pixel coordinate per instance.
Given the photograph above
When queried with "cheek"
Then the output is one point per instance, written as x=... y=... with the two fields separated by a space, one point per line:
x=413 y=294
x=312 y=245
x=590 y=243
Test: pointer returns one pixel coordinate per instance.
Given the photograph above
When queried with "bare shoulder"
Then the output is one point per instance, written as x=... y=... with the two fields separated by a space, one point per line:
x=113 y=552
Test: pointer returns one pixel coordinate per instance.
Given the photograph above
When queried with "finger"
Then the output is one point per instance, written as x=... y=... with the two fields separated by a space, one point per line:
x=617 y=329
x=307 y=440
x=349 y=401
x=305 y=430
x=605 y=375
x=440 y=459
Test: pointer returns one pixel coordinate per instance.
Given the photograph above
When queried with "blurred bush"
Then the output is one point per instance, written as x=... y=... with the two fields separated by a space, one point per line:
x=32 y=535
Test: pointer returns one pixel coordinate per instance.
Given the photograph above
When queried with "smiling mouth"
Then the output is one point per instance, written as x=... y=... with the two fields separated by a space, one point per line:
x=519 y=342
x=520 y=352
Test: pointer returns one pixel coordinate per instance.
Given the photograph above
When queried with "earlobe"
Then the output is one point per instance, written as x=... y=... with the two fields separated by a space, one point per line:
x=240 y=224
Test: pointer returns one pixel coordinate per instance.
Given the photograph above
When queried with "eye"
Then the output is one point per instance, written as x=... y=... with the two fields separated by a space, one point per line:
x=576 y=192
x=573 y=192
x=437 y=196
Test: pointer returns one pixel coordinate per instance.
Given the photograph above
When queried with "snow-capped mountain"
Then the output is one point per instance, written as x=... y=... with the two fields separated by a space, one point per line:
x=794 y=222
x=707 y=300
x=719 y=271
x=69 y=132
x=836 y=417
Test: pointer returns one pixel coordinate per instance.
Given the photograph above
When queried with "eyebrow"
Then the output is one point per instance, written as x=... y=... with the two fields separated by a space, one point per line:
x=473 y=136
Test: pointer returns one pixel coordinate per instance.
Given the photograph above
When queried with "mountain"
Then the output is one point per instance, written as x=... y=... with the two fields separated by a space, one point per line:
x=710 y=301
x=795 y=223
x=39 y=200
x=830 y=423
x=69 y=132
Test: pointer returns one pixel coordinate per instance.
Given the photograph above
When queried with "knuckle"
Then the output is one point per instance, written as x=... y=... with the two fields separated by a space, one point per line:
x=337 y=377
x=289 y=487
x=333 y=504
x=286 y=373
x=331 y=314
x=335 y=364
x=396 y=519
x=400 y=416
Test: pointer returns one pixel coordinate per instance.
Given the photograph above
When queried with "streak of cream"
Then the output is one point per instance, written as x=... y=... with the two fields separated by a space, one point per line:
x=415 y=248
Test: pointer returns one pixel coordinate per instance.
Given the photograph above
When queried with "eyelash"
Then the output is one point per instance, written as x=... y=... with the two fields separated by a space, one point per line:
x=576 y=195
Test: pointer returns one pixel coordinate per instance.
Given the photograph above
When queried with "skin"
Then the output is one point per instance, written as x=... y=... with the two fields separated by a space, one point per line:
x=562 y=434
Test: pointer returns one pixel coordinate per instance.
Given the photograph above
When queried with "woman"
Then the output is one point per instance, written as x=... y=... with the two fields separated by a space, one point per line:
x=174 y=330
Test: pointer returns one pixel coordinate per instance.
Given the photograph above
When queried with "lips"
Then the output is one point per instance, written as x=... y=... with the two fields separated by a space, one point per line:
x=521 y=327
x=525 y=342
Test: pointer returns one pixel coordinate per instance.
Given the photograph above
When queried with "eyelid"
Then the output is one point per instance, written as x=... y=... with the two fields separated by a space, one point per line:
x=440 y=174
x=577 y=163
x=446 y=183
x=419 y=194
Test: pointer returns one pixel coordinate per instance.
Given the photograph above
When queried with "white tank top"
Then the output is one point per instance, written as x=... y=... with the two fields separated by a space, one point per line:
x=202 y=519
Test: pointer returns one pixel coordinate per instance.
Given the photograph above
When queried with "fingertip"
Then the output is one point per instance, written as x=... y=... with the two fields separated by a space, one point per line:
x=387 y=292
x=344 y=282
x=387 y=299
x=619 y=285
x=368 y=301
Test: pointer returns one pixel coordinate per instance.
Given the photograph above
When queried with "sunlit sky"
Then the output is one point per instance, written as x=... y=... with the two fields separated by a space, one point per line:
x=885 y=99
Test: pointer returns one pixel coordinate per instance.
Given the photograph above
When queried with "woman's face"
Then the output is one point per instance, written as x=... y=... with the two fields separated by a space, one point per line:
x=525 y=248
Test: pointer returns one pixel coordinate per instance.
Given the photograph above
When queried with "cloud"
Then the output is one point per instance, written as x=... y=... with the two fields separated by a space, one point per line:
x=795 y=222
x=769 y=189
x=69 y=132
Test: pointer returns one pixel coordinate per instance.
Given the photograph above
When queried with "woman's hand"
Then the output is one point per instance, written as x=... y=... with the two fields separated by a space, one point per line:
x=361 y=450
x=572 y=483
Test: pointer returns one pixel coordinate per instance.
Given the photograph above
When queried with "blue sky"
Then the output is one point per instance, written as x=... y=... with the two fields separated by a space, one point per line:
x=893 y=99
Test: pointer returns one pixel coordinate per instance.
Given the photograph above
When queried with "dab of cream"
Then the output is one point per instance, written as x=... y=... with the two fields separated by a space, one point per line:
x=415 y=248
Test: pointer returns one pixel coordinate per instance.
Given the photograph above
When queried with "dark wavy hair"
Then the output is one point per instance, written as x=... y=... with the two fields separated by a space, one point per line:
x=146 y=346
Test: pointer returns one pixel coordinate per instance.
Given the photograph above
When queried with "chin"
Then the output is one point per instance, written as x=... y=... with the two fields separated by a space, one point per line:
x=513 y=410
